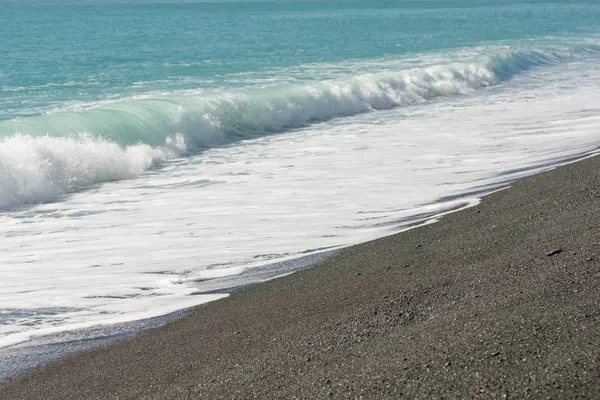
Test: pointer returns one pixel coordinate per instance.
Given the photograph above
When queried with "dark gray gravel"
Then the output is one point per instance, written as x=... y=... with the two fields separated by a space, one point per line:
x=480 y=305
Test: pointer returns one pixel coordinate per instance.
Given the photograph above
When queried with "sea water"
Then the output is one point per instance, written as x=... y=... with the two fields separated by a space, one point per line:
x=155 y=154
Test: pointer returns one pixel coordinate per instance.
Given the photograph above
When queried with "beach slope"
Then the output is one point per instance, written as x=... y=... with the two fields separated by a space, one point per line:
x=501 y=300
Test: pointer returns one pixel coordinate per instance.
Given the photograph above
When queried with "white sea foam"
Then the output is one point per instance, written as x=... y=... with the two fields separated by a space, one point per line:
x=133 y=248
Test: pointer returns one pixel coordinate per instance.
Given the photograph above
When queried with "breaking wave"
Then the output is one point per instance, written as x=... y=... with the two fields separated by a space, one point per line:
x=49 y=155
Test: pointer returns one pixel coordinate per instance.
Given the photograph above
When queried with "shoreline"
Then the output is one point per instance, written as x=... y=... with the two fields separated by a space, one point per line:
x=40 y=350
x=505 y=290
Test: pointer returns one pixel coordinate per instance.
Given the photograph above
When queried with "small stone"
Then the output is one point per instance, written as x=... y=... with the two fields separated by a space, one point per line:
x=237 y=332
x=358 y=274
x=495 y=354
x=554 y=252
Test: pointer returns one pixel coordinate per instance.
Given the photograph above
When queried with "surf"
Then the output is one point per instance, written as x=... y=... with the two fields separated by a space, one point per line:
x=46 y=156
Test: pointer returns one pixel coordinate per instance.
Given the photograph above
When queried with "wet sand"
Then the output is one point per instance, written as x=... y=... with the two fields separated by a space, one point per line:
x=501 y=300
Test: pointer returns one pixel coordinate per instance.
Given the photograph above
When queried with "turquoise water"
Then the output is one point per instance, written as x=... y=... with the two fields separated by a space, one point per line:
x=58 y=53
x=155 y=154
x=215 y=72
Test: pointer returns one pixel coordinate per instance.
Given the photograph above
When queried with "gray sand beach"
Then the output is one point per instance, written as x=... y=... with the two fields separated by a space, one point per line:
x=501 y=300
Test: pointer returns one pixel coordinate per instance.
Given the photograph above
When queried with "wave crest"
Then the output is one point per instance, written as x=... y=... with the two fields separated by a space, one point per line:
x=39 y=169
x=46 y=156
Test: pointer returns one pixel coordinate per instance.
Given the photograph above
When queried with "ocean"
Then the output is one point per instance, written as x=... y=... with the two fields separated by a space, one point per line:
x=156 y=154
